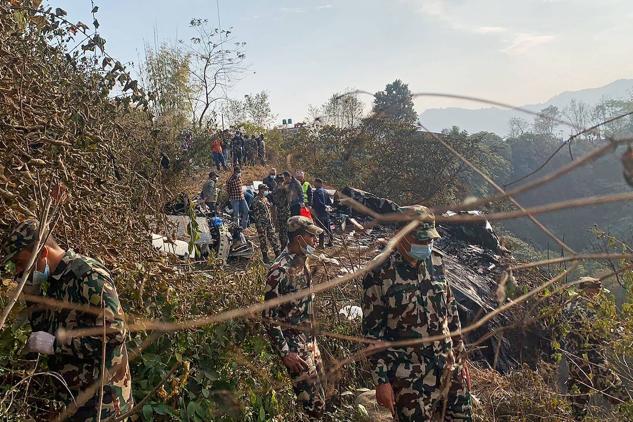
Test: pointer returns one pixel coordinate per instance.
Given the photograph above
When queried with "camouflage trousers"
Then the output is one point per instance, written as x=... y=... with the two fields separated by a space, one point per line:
x=587 y=378
x=116 y=402
x=422 y=396
x=266 y=233
x=307 y=385
x=282 y=227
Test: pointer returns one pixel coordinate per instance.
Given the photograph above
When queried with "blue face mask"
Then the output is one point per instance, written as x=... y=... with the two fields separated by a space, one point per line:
x=39 y=277
x=308 y=249
x=421 y=252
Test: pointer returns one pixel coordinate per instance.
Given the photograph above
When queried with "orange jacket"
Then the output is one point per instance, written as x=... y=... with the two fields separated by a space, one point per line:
x=216 y=146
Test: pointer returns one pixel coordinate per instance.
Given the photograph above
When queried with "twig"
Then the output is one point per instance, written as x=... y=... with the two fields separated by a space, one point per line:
x=580 y=257
x=89 y=392
x=254 y=308
x=503 y=192
x=475 y=325
x=568 y=141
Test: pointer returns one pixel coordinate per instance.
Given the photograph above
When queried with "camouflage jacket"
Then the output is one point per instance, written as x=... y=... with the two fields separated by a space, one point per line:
x=288 y=274
x=85 y=281
x=404 y=302
x=209 y=192
x=250 y=146
x=280 y=199
x=261 y=211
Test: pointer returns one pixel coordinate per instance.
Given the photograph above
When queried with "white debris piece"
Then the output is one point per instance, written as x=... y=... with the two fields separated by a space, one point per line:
x=177 y=247
x=252 y=187
x=351 y=312
x=181 y=223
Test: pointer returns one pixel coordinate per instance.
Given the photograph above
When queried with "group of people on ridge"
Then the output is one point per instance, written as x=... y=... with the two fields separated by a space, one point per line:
x=240 y=149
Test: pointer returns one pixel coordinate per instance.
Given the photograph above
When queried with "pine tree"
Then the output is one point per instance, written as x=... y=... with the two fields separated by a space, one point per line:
x=395 y=102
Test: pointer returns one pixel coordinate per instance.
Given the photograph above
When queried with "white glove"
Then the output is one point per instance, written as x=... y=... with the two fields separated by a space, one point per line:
x=41 y=342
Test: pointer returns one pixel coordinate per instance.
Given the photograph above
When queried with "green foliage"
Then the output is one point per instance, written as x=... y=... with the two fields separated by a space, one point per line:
x=394 y=160
x=609 y=109
x=167 y=75
x=533 y=147
x=395 y=103
x=521 y=250
x=342 y=110
x=12 y=340
x=253 y=111
x=225 y=372
x=546 y=121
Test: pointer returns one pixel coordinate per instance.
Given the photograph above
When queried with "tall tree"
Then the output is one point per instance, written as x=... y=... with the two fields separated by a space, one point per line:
x=611 y=108
x=257 y=109
x=254 y=108
x=396 y=103
x=216 y=62
x=578 y=114
x=518 y=126
x=546 y=121
x=233 y=112
x=165 y=74
x=344 y=111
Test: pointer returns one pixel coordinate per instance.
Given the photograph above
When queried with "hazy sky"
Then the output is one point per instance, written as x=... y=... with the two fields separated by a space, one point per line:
x=302 y=51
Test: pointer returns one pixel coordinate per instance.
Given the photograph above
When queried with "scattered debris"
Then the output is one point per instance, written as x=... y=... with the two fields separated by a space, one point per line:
x=216 y=236
x=369 y=200
x=180 y=248
x=351 y=312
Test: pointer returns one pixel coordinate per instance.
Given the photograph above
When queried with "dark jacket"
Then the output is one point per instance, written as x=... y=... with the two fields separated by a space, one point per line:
x=270 y=182
x=320 y=200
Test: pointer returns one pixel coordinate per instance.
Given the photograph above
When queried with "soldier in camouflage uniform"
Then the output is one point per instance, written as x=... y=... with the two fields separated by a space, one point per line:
x=281 y=203
x=260 y=209
x=298 y=350
x=250 y=149
x=75 y=279
x=589 y=369
x=407 y=297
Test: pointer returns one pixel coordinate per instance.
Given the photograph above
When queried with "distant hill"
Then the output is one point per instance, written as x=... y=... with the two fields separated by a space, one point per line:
x=493 y=119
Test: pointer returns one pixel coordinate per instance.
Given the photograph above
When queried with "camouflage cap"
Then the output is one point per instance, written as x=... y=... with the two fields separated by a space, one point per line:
x=426 y=230
x=22 y=237
x=298 y=222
